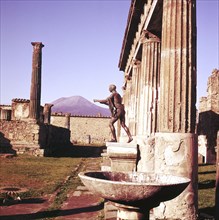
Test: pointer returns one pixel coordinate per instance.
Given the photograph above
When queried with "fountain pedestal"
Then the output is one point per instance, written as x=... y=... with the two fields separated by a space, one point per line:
x=129 y=213
x=122 y=156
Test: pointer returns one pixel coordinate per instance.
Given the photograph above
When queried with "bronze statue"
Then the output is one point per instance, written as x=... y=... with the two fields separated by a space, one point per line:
x=114 y=101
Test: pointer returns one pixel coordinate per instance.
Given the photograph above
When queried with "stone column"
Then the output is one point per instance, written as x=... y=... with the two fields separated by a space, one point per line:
x=35 y=91
x=176 y=144
x=151 y=76
x=47 y=113
x=178 y=67
x=134 y=96
x=67 y=120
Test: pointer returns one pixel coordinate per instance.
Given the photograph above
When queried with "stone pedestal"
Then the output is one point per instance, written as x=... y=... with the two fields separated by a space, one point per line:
x=123 y=156
x=131 y=213
x=176 y=154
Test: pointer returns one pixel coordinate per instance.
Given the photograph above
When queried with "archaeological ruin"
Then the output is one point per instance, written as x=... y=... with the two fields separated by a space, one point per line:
x=158 y=58
x=208 y=120
x=25 y=125
x=171 y=136
x=28 y=127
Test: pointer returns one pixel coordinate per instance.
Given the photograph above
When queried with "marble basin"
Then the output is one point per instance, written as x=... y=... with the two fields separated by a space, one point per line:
x=136 y=189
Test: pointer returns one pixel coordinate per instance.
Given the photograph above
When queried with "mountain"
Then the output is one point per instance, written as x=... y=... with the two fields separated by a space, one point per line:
x=77 y=105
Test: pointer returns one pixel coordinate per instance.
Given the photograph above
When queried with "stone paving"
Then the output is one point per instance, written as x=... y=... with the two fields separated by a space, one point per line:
x=80 y=204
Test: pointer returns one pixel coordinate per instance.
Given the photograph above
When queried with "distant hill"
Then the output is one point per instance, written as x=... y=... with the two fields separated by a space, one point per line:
x=77 y=105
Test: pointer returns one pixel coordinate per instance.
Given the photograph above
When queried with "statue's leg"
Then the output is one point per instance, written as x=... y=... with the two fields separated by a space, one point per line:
x=126 y=130
x=112 y=128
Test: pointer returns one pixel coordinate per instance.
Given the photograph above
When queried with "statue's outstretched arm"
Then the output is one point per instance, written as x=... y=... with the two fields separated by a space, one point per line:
x=102 y=101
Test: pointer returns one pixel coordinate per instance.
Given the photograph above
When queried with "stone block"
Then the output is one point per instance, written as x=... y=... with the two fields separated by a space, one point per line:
x=123 y=156
x=177 y=154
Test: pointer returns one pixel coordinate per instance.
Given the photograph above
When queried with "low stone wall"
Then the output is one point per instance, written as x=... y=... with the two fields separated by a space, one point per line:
x=30 y=137
x=85 y=129
x=53 y=138
x=19 y=132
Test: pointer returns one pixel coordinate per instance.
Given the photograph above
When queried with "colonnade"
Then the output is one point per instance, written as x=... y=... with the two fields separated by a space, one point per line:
x=160 y=98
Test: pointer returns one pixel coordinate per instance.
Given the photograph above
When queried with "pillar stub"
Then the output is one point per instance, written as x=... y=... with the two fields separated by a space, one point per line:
x=176 y=154
x=123 y=156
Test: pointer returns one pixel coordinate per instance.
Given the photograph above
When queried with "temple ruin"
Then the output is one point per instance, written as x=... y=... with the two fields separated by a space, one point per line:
x=158 y=58
x=25 y=125
x=208 y=120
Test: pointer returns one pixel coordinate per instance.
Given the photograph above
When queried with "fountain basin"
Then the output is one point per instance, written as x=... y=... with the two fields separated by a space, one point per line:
x=136 y=189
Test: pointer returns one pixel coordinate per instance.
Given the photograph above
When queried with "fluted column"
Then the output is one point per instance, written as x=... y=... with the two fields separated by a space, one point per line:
x=135 y=96
x=178 y=67
x=35 y=91
x=176 y=144
x=151 y=74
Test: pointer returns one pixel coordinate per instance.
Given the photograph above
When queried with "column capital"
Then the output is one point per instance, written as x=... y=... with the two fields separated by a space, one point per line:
x=147 y=37
x=37 y=45
x=136 y=62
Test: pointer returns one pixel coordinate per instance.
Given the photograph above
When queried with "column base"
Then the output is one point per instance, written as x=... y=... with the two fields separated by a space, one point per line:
x=177 y=154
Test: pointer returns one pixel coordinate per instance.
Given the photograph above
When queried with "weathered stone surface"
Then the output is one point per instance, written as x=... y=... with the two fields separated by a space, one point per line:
x=27 y=136
x=160 y=88
x=123 y=156
x=146 y=154
x=47 y=113
x=35 y=91
x=176 y=154
x=208 y=120
x=85 y=130
x=20 y=109
x=211 y=101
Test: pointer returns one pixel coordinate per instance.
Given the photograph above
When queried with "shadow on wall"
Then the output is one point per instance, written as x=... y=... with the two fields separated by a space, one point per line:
x=208 y=125
x=78 y=151
x=5 y=145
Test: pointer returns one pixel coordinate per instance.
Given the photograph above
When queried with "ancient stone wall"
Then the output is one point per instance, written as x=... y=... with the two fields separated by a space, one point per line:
x=20 y=132
x=208 y=122
x=5 y=112
x=211 y=101
x=53 y=138
x=29 y=137
x=85 y=130
x=20 y=109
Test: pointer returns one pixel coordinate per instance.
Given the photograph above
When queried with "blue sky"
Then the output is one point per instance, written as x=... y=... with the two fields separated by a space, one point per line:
x=83 y=40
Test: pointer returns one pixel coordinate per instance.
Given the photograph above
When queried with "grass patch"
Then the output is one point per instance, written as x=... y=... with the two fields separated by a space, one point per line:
x=206 y=188
x=40 y=175
x=45 y=175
